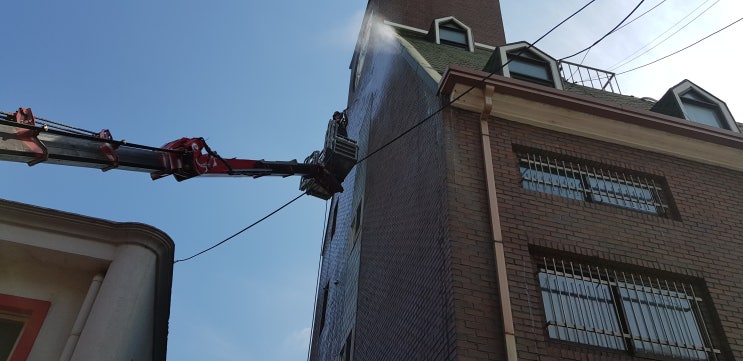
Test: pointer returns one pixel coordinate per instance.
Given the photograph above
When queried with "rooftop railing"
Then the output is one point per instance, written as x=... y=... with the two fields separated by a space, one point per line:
x=589 y=77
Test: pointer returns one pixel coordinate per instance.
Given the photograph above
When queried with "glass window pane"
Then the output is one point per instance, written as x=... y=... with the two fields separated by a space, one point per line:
x=530 y=69
x=551 y=183
x=619 y=193
x=580 y=311
x=662 y=322
x=703 y=115
x=452 y=35
x=10 y=330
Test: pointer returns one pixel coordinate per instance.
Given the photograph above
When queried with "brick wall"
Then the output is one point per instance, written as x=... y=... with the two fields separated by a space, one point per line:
x=403 y=306
x=702 y=246
x=484 y=17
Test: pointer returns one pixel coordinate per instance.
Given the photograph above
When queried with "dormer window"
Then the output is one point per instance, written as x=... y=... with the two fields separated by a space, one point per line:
x=526 y=66
x=523 y=62
x=688 y=101
x=700 y=110
x=451 y=31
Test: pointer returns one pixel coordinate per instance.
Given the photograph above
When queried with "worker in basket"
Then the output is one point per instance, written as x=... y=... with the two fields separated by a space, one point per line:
x=341 y=119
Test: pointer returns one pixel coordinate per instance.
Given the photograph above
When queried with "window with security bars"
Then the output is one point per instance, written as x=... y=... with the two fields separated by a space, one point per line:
x=581 y=181
x=624 y=311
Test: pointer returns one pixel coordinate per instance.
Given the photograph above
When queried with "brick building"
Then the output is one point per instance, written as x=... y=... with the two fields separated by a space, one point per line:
x=533 y=219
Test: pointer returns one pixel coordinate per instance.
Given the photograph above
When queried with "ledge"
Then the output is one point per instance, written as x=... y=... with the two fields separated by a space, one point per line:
x=561 y=111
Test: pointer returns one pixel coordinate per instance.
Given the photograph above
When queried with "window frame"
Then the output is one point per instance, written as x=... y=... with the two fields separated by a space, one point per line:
x=705 y=100
x=451 y=22
x=712 y=108
x=525 y=52
x=34 y=312
x=594 y=183
x=516 y=57
x=631 y=327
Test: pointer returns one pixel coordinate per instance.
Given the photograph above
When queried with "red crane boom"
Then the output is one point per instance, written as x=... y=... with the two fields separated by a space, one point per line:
x=23 y=140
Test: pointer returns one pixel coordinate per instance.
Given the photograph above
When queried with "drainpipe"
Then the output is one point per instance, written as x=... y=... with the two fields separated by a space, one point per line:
x=500 y=257
x=82 y=317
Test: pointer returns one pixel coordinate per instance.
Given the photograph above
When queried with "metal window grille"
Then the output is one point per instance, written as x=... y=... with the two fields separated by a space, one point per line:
x=623 y=311
x=584 y=182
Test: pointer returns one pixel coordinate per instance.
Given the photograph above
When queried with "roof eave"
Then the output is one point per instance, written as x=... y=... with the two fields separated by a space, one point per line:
x=460 y=75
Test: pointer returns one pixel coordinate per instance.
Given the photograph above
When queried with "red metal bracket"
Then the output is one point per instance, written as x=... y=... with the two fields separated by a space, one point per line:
x=109 y=150
x=25 y=116
x=30 y=137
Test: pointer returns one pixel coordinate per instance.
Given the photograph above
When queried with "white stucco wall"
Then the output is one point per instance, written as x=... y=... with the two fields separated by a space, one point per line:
x=54 y=256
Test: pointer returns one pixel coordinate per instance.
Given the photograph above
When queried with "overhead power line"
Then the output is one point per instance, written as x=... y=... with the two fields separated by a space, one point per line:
x=641 y=15
x=607 y=34
x=430 y=116
x=481 y=81
x=241 y=231
x=624 y=61
x=623 y=26
x=678 y=51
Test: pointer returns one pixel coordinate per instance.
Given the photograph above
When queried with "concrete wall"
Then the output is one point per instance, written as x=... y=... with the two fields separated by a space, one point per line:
x=54 y=256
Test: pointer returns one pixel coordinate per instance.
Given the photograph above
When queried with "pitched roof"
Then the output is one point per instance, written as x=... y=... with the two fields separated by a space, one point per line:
x=441 y=56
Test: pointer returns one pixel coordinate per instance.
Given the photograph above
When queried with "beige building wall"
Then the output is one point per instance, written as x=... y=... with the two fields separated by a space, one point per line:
x=107 y=284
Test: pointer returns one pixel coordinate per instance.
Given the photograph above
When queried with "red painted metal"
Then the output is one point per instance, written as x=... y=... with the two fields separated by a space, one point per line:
x=25 y=116
x=109 y=150
x=29 y=137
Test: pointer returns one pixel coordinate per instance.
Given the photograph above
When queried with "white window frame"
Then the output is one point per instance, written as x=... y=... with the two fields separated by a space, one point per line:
x=506 y=71
x=722 y=109
x=469 y=42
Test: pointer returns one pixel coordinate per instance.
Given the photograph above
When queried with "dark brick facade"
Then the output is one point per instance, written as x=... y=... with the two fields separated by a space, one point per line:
x=484 y=18
x=702 y=246
x=420 y=281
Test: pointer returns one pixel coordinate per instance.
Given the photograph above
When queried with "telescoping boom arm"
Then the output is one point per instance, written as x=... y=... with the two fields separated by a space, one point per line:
x=23 y=140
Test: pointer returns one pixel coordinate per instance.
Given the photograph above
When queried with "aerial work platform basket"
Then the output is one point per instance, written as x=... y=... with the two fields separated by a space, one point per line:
x=338 y=156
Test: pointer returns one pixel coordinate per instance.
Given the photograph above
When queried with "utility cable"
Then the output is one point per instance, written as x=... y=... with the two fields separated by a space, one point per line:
x=641 y=15
x=678 y=51
x=623 y=26
x=623 y=62
x=319 y=269
x=448 y=104
x=389 y=142
x=81 y=133
x=481 y=81
x=609 y=33
x=240 y=231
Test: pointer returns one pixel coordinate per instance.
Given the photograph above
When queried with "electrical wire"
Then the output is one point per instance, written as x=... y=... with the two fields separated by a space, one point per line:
x=391 y=141
x=678 y=51
x=240 y=231
x=319 y=269
x=622 y=62
x=622 y=27
x=481 y=81
x=84 y=134
x=641 y=15
x=607 y=34
x=448 y=104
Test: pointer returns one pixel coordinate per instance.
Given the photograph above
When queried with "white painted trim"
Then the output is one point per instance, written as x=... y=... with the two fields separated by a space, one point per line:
x=686 y=86
x=503 y=50
x=405 y=27
x=470 y=41
x=485 y=46
x=418 y=58
x=587 y=124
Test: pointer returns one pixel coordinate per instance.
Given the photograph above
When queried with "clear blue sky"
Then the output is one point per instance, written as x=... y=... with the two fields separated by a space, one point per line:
x=259 y=80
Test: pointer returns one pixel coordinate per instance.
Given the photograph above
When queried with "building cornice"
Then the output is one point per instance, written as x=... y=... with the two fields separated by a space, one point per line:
x=97 y=238
x=571 y=113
